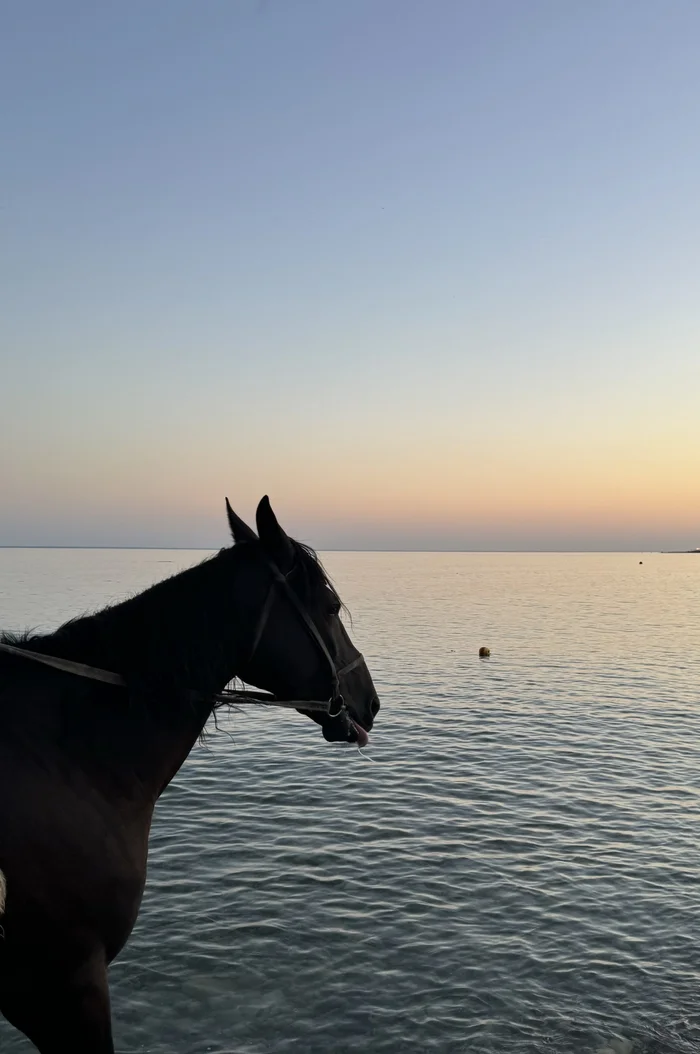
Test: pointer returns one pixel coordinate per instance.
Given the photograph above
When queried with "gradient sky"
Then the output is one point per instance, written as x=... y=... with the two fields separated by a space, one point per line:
x=425 y=271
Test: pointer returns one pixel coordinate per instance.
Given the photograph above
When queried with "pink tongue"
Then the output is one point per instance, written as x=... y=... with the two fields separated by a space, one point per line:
x=362 y=737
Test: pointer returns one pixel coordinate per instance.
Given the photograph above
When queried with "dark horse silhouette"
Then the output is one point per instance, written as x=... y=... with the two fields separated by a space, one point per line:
x=82 y=763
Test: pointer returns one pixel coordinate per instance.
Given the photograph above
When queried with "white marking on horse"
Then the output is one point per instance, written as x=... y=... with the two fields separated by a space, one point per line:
x=3 y=892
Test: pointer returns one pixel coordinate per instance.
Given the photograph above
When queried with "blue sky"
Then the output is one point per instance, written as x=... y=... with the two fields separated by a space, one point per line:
x=426 y=273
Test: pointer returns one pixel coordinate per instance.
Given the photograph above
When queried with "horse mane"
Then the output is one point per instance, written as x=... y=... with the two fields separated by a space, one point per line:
x=143 y=625
x=315 y=581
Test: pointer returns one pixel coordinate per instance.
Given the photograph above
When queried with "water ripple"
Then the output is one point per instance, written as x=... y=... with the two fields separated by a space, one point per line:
x=518 y=872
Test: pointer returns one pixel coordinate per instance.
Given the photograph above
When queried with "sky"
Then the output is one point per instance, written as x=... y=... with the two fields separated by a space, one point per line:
x=426 y=272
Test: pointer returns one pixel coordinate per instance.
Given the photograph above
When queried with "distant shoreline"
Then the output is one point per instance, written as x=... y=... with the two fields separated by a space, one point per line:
x=214 y=548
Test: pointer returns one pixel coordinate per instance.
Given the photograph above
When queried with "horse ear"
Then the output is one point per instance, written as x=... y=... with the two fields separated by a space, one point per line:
x=274 y=540
x=240 y=531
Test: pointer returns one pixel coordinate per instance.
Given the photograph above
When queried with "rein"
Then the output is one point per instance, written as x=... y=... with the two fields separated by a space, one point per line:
x=94 y=673
x=333 y=706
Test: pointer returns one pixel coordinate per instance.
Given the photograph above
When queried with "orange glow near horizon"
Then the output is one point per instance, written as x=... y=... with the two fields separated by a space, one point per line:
x=466 y=317
x=426 y=492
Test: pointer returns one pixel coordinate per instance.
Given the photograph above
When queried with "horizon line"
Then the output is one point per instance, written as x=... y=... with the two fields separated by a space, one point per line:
x=210 y=548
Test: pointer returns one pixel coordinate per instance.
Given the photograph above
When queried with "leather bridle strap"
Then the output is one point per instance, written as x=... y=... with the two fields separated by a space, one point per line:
x=262 y=620
x=278 y=578
x=351 y=665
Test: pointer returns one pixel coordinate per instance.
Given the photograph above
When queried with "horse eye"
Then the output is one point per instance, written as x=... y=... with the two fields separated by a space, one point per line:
x=334 y=608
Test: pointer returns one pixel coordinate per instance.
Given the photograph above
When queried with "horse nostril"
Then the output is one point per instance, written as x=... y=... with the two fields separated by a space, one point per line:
x=374 y=707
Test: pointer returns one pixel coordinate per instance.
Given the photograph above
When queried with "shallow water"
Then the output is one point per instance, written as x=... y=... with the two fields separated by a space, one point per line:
x=517 y=867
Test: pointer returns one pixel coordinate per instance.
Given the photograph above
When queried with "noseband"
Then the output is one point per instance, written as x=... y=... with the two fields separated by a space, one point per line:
x=336 y=701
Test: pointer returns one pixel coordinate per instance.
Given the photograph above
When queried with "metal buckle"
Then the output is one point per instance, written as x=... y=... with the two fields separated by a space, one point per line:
x=336 y=705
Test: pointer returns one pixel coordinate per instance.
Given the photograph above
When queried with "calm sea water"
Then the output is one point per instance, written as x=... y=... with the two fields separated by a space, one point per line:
x=516 y=869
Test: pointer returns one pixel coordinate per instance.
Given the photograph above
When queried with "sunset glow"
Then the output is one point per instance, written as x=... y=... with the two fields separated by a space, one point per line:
x=425 y=274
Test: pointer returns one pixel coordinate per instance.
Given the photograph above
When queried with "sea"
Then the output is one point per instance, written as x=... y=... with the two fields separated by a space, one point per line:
x=512 y=866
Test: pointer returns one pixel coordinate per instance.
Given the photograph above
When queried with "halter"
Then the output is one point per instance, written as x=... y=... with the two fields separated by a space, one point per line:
x=336 y=701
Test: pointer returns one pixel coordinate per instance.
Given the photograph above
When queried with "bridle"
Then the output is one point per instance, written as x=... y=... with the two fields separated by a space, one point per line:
x=336 y=700
x=333 y=706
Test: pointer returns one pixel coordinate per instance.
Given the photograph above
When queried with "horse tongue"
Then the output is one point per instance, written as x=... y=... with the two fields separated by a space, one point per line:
x=362 y=737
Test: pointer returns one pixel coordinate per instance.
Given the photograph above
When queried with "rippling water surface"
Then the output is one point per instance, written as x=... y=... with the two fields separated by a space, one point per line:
x=516 y=869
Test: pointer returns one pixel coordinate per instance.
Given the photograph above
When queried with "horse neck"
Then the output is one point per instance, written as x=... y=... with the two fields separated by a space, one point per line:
x=176 y=645
x=186 y=632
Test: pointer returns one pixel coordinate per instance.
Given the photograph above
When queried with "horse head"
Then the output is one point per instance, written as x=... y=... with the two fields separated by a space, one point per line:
x=300 y=648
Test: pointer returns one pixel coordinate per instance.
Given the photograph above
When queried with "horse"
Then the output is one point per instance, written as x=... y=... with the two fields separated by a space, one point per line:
x=83 y=760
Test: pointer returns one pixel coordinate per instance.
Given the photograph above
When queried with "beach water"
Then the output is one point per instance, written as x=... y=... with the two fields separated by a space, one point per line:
x=514 y=866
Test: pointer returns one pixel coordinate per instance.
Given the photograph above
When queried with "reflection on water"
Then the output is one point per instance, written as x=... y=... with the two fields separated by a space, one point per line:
x=517 y=871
